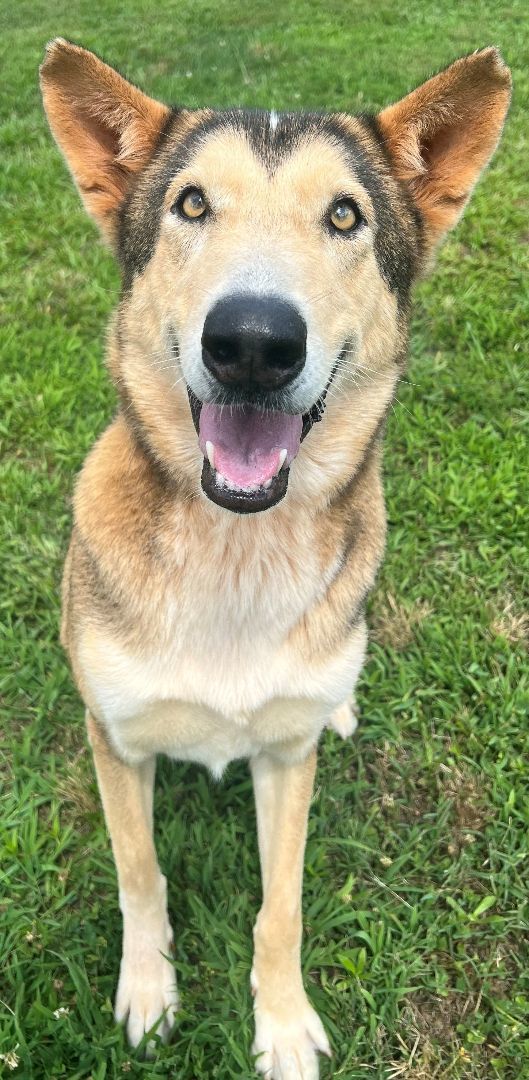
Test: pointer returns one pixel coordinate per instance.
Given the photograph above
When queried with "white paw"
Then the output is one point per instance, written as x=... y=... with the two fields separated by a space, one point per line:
x=147 y=998
x=344 y=719
x=287 y=1045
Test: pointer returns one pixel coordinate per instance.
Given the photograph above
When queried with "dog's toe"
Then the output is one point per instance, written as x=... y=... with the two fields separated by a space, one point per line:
x=286 y=1048
x=148 y=1001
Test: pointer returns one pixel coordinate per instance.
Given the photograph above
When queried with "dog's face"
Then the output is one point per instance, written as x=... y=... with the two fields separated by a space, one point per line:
x=267 y=258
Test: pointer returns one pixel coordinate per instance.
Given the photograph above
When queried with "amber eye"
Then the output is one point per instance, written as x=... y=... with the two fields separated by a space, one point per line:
x=345 y=215
x=191 y=204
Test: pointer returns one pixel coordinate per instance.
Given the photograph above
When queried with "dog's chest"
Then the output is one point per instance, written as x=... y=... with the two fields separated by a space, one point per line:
x=216 y=677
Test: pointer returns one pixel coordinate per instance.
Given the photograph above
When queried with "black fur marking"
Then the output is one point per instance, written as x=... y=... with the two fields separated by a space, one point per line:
x=352 y=539
x=106 y=595
x=140 y=215
x=394 y=249
x=357 y=615
x=371 y=123
x=344 y=493
x=141 y=438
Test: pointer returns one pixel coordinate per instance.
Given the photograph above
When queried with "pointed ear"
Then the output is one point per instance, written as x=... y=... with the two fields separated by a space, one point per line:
x=442 y=135
x=105 y=127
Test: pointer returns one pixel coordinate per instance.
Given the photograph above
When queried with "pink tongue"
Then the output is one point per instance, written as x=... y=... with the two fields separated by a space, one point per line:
x=248 y=443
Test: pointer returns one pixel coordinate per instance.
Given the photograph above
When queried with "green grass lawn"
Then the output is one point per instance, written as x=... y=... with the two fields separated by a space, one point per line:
x=416 y=948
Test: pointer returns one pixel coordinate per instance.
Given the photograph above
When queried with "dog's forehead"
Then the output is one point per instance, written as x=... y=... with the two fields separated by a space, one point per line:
x=239 y=145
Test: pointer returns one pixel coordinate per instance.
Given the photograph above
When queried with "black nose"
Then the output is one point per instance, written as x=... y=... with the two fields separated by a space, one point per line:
x=254 y=342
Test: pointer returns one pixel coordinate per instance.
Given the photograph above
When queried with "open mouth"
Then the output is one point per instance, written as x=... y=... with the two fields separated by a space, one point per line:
x=248 y=451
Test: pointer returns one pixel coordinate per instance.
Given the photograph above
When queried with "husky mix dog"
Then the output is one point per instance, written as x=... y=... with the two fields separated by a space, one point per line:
x=230 y=521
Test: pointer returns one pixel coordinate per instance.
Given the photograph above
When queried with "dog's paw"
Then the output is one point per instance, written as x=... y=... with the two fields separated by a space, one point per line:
x=286 y=1046
x=344 y=719
x=147 y=998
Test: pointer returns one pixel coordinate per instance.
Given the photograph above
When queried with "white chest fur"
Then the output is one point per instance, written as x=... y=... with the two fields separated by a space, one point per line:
x=222 y=680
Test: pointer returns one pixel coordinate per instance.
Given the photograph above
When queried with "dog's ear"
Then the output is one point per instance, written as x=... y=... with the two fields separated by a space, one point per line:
x=106 y=128
x=442 y=135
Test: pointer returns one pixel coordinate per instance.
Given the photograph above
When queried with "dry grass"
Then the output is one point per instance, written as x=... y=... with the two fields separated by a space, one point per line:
x=394 y=623
x=509 y=622
x=469 y=809
x=76 y=790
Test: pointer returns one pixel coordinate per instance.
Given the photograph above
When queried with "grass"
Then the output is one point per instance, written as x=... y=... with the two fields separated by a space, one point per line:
x=416 y=947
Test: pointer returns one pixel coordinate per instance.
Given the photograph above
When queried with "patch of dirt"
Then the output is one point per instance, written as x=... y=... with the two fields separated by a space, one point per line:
x=469 y=810
x=436 y=1018
x=160 y=67
x=429 y=1038
x=405 y=794
x=408 y=795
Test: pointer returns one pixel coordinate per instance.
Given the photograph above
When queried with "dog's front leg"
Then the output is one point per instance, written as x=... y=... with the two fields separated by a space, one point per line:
x=288 y=1033
x=146 y=993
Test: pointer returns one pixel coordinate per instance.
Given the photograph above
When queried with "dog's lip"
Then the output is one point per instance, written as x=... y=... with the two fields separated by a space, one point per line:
x=262 y=497
x=238 y=500
x=195 y=405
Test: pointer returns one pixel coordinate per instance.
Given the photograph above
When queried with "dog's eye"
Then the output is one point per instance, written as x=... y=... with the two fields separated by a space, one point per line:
x=345 y=215
x=190 y=204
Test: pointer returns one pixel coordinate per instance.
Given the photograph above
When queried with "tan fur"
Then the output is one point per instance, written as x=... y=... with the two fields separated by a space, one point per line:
x=200 y=633
x=106 y=128
x=442 y=134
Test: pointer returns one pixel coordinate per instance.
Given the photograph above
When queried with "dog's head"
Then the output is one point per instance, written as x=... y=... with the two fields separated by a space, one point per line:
x=267 y=258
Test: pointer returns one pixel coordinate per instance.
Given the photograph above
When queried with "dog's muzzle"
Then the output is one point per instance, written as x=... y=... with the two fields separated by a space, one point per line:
x=253 y=347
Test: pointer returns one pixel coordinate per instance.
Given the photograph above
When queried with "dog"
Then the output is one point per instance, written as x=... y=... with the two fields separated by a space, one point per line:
x=229 y=524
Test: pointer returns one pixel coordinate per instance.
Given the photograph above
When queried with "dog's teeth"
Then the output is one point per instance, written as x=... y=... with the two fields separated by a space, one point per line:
x=210 y=451
x=282 y=459
x=267 y=483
